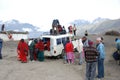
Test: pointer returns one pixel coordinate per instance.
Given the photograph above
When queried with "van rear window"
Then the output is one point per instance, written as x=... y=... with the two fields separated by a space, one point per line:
x=45 y=40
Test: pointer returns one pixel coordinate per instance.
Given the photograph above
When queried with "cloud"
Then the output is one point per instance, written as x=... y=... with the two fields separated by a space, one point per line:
x=42 y=12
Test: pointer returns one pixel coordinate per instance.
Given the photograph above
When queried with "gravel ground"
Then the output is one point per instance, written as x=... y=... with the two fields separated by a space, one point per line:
x=53 y=69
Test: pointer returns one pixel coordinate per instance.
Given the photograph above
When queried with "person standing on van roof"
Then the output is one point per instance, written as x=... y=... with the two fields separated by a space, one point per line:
x=63 y=30
x=40 y=50
x=69 y=52
x=1 y=43
x=74 y=30
x=3 y=27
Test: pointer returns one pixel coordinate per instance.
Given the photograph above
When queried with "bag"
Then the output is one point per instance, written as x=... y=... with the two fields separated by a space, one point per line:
x=116 y=55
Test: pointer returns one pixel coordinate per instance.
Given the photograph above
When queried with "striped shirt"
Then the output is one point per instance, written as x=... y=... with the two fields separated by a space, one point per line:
x=91 y=54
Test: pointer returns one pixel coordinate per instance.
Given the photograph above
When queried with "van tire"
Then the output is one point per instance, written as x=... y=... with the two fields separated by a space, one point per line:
x=62 y=53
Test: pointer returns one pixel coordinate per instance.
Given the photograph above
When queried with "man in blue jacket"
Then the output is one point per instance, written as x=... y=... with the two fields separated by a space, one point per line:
x=1 y=42
x=117 y=44
x=101 y=51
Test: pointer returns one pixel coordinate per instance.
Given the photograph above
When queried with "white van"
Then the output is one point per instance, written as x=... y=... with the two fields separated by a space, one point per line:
x=56 y=43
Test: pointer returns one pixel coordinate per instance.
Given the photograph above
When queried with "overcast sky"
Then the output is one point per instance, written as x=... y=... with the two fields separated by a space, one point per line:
x=41 y=12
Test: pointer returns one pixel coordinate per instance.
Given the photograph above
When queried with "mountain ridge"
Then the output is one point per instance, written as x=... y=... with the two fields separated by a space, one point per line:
x=15 y=25
x=101 y=27
x=97 y=26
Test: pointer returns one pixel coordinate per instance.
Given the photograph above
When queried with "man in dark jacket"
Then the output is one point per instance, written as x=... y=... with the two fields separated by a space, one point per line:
x=1 y=42
x=91 y=56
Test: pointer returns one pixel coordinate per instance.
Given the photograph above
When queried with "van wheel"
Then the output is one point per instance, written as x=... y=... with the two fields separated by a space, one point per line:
x=62 y=53
x=59 y=57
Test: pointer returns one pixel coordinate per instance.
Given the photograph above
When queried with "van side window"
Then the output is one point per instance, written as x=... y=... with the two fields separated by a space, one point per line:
x=63 y=40
x=59 y=41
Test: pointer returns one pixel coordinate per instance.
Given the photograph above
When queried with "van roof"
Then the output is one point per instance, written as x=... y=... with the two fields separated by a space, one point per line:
x=57 y=36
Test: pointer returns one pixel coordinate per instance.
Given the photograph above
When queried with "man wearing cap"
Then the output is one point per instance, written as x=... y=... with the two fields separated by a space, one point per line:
x=85 y=41
x=91 y=56
x=101 y=50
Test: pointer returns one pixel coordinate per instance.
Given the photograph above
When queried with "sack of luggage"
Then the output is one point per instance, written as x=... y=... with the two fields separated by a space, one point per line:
x=116 y=55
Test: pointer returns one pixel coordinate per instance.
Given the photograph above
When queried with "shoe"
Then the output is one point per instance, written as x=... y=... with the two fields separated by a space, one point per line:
x=32 y=61
x=80 y=64
x=23 y=62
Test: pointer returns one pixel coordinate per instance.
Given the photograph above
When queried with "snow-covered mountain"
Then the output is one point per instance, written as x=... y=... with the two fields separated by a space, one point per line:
x=99 y=25
x=15 y=25
x=80 y=22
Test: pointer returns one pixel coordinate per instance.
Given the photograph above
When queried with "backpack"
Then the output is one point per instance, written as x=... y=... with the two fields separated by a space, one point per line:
x=116 y=55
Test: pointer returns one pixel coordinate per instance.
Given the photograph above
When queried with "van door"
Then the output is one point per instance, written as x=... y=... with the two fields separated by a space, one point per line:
x=58 y=47
x=46 y=47
x=52 y=46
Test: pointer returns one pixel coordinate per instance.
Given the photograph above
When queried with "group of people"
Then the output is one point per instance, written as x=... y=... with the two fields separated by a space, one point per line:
x=92 y=54
x=34 y=48
x=57 y=28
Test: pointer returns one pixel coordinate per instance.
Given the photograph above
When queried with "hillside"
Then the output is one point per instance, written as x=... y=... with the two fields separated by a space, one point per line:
x=100 y=27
